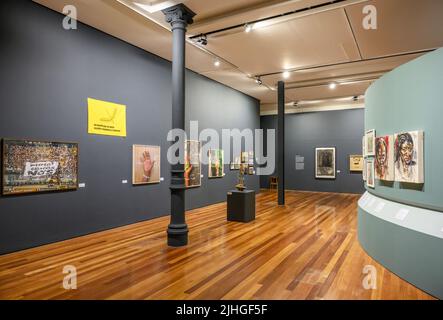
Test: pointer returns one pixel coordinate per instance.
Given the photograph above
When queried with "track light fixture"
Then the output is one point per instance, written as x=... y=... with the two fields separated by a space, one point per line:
x=332 y=85
x=295 y=104
x=202 y=40
x=286 y=74
x=248 y=28
x=217 y=63
x=258 y=81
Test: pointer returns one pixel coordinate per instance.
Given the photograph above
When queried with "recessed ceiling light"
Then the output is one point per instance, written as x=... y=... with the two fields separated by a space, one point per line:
x=217 y=63
x=248 y=28
x=286 y=74
x=332 y=85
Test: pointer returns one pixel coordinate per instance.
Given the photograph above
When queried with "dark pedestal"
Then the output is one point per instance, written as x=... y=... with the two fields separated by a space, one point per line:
x=241 y=205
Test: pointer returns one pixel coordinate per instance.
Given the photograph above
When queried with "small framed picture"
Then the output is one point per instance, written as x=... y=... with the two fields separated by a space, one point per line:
x=370 y=143
x=370 y=179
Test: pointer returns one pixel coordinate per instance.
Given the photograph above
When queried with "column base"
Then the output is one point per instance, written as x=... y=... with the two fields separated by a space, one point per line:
x=177 y=235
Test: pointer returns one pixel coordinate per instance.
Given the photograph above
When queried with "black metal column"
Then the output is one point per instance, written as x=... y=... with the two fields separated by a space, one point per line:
x=179 y=17
x=281 y=143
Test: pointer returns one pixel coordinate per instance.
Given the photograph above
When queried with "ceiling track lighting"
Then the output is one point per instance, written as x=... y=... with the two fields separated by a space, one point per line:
x=248 y=28
x=332 y=85
x=217 y=63
x=286 y=74
x=202 y=40
x=258 y=81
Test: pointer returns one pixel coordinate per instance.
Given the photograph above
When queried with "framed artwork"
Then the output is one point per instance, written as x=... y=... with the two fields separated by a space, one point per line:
x=364 y=169
x=192 y=163
x=215 y=166
x=384 y=158
x=363 y=146
x=370 y=143
x=251 y=158
x=370 y=179
x=408 y=157
x=244 y=157
x=325 y=163
x=145 y=164
x=31 y=166
x=251 y=170
x=356 y=163
x=237 y=163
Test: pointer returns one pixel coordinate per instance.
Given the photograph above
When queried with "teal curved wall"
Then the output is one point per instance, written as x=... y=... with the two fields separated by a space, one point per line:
x=406 y=99
x=410 y=245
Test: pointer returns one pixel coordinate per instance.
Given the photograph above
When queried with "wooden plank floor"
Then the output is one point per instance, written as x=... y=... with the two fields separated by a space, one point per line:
x=307 y=249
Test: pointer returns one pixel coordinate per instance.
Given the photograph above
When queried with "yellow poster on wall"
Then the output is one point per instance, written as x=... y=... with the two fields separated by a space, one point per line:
x=106 y=118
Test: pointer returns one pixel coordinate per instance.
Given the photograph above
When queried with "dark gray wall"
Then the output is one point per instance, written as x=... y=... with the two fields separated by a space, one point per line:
x=46 y=76
x=306 y=131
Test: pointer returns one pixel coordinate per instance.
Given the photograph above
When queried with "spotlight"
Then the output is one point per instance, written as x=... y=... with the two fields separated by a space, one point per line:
x=332 y=85
x=286 y=74
x=295 y=104
x=355 y=98
x=248 y=28
x=217 y=63
x=202 y=40
x=258 y=80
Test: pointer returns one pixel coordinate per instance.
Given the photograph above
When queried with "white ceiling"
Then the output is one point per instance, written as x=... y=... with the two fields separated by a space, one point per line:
x=320 y=45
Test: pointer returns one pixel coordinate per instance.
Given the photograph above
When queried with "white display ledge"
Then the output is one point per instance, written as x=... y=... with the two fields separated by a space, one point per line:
x=422 y=220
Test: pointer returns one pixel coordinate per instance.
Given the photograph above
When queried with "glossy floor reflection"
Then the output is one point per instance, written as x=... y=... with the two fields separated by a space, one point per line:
x=307 y=249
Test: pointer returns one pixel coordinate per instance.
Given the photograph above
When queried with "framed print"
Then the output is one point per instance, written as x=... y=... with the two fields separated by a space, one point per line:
x=363 y=146
x=192 y=163
x=384 y=158
x=145 y=164
x=244 y=157
x=251 y=170
x=370 y=143
x=370 y=179
x=215 y=164
x=356 y=163
x=364 y=169
x=31 y=166
x=325 y=163
x=237 y=163
x=408 y=157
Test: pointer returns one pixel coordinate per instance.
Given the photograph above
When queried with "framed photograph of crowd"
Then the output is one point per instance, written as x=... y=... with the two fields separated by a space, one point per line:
x=325 y=163
x=32 y=166
x=192 y=163
x=145 y=164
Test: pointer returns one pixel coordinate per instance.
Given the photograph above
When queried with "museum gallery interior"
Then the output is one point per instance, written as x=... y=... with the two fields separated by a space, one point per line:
x=221 y=150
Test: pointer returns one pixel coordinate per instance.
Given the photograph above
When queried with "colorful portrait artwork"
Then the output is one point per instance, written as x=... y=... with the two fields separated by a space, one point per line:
x=370 y=179
x=215 y=166
x=31 y=166
x=192 y=163
x=325 y=163
x=384 y=158
x=408 y=153
x=370 y=143
x=145 y=164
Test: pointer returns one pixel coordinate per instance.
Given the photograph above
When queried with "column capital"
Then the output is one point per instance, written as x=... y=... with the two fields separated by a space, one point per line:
x=179 y=14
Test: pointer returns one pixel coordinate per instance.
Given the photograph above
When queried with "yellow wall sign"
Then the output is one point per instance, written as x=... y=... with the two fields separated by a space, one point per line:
x=106 y=118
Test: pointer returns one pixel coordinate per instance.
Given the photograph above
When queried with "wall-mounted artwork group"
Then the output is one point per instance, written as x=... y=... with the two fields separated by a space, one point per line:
x=325 y=163
x=38 y=166
x=397 y=157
